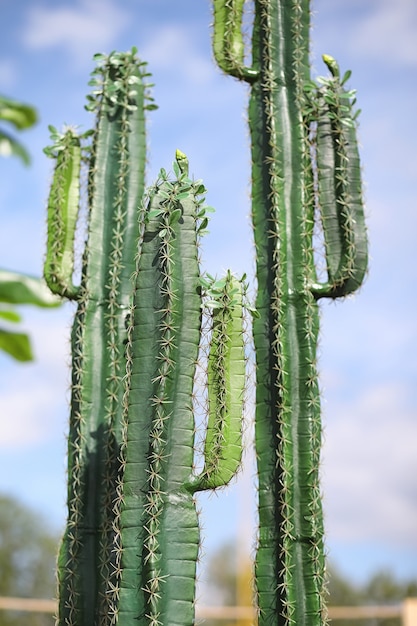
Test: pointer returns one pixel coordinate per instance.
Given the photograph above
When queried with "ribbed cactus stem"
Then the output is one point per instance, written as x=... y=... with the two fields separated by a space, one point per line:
x=157 y=509
x=304 y=162
x=116 y=184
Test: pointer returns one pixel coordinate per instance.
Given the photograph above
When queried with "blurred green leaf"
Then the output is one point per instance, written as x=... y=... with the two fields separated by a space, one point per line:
x=16 y=345
x=10 y=316
x=11 y=147
x=18 y=288
x=19 y=114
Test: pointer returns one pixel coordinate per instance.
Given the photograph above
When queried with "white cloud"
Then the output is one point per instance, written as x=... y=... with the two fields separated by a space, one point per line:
x=88 y=27
x=8 y=74
x=373 y=38
x=25 y=414
x=370 y=465
x=388 y=31
x=170 y=48
x=33 y=397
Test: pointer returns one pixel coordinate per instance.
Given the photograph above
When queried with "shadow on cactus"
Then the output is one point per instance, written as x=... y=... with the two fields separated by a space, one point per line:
x=131 y=542
x=305 y=166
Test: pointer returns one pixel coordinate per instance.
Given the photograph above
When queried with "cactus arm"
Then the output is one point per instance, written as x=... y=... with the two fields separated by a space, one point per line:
x=228 y=45
x=226 y=379
x=63 y=206
x=339 y=189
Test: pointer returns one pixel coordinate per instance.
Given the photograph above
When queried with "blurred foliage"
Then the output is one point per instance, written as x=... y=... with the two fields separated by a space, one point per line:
x=28 y=551
x=229 y=582
x=16 y=288
x=221 y=577
x=20 y=116
x=381 y=589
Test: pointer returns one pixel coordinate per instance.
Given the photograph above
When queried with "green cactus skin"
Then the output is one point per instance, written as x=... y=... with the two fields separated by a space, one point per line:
x=130 y=547
x=304 y=162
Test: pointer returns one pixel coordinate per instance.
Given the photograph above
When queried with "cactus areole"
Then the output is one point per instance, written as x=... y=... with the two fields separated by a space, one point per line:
x=129 y=551
x=305 y=164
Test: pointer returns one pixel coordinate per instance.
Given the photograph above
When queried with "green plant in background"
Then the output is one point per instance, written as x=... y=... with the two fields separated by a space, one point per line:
x=15 y=288
x=28 y=548
x=20 y=116
x=305 y=163
x=131 y=542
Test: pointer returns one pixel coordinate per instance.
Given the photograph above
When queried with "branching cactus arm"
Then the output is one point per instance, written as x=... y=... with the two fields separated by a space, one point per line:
x=339 y=187
x=226 y=384
x=63 y=207
x=228 y=44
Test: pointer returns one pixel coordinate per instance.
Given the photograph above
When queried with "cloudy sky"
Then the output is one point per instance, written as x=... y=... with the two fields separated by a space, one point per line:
x=368 y=342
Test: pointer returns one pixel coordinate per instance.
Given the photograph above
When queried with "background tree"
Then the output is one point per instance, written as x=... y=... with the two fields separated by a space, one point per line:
x=383 y=588
x=229 y=582
x=28 y=550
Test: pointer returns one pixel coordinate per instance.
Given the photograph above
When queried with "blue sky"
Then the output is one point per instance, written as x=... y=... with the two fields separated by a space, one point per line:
x=368 y=342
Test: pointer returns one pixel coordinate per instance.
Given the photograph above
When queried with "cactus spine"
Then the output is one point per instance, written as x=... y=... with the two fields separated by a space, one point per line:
x=304 y=161
x=130 y=546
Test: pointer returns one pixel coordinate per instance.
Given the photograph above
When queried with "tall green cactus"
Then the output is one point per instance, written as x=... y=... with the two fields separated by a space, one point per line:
x=304 y=162
x=130 y=546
